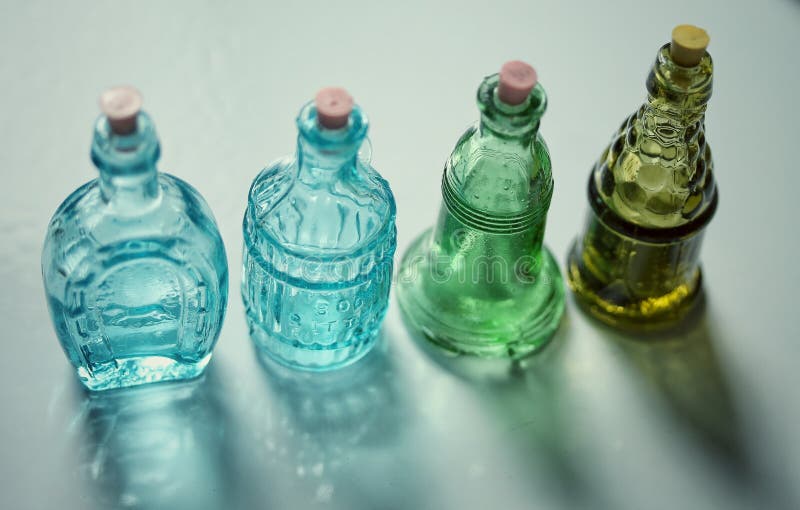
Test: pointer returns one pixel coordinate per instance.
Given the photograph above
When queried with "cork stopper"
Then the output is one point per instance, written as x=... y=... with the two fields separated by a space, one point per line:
x=517 y=79
x=334 y=106
x=688 y=45
x=121 y=105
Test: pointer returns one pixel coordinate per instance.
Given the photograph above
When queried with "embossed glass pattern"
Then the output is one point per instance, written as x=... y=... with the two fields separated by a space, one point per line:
x=481 y=281
x=134 y=268
x=651 y=193
x=319 y=235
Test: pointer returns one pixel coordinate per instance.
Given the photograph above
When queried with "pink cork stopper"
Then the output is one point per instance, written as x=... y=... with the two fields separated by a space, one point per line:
x=334 y=106
x=121 y=105
x=517 y=79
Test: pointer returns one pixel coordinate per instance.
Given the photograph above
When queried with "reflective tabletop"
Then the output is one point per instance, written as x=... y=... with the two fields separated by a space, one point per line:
x=705 y=417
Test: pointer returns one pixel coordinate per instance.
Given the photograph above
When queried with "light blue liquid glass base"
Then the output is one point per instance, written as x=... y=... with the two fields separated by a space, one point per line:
x=134 y=269
x=319 y=238
x=315 y=328
x=141 y=370
x=310 y=357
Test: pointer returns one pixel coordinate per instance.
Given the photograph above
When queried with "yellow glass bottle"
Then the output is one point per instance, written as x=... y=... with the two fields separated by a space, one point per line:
x=652 y=192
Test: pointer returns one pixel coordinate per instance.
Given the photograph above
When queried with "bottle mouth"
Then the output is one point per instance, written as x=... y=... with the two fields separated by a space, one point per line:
x=125 y=154
x=688 y=87
x=506 y=119
x=345 y=139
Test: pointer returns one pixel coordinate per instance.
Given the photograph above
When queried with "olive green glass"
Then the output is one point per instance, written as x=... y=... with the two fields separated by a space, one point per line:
x=480 y=281
x=636 y=265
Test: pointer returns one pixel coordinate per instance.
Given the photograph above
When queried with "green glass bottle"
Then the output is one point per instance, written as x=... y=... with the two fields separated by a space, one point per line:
x=480 y=281
x=652 y=192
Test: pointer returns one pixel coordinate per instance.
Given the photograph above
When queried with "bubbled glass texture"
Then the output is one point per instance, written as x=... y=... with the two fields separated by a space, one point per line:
x=652 y=192
x=657 y=170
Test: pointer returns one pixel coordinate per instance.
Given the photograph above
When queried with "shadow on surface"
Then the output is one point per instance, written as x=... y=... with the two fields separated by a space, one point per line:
x=350 y=406
x=528 y=398
x=330 y=419
x=682 y=366
x=156 y=447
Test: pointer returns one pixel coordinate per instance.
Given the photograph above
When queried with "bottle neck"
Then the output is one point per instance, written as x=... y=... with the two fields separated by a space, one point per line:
x=127 y=164
x=316 y=165
x=679 y=93
x=514 y=124
x=328 y=154
x=497 y=171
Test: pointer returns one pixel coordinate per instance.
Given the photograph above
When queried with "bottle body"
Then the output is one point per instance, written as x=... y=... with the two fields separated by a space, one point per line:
x=636 y=264
x=139 y=299
x=632 y=282
x=136 y=287
x=319 y=241
x=480 y=281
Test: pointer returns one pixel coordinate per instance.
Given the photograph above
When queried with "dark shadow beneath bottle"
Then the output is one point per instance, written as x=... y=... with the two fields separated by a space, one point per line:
x=528 y=398
x=683 y=368
x=158 y=446
x=682 y=365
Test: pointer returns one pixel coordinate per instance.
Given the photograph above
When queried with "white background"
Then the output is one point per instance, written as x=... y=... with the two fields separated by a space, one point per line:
x=706 y=419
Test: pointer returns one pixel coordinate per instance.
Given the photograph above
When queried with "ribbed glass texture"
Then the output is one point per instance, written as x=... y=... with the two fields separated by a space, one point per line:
x=319 y=237
x=134 y=269
x=480 y=281
x=636 y=265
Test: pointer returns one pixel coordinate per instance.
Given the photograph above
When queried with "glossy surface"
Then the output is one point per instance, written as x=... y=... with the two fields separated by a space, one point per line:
x=319 y=237
x=134 y=269
x=481 y=282
x=651 y=194
x=704 y=419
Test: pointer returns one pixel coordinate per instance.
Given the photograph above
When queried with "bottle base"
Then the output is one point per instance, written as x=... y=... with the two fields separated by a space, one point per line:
x=512 y=327
x=606 y=303
x=136 y=371
x=315 y=358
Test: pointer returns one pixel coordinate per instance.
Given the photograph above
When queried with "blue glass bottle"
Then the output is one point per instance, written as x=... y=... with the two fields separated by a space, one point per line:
x=319 y=237
x=134 y=268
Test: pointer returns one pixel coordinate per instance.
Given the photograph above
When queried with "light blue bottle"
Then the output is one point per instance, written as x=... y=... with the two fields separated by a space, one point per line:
x=133 y=264
x=319 y=237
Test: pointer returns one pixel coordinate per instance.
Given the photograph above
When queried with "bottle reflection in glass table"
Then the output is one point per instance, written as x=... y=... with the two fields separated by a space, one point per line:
x=134 y=268
x=158 y=446
x=319 y=237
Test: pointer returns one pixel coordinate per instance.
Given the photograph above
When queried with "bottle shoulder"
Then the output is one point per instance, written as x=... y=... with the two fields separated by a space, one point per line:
x=88 y=223
x=326 y=217
x=500 y=175
x=271 y=185
x=657 y=172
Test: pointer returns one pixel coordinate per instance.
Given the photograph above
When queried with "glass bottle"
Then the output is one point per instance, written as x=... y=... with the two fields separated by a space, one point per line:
x=319 y=237
x=652 y=192
x=133 y=264
x=481 y=281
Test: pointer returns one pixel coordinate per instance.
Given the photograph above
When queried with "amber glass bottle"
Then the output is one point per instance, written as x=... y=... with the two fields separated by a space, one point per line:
x=651 y=194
